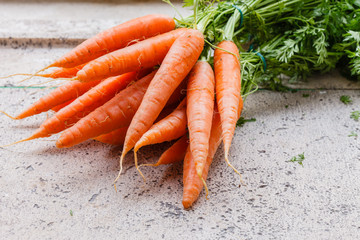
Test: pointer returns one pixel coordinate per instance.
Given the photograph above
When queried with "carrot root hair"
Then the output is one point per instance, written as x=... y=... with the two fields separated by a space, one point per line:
x=36 y=73
x=8 y=115
x=120 y=163
x=17 y=74
x=235 y=170
x=205 y=186
x=149 y=165
x=68 y=79
x=39 y=84
x=137 y=167
x=23 y=140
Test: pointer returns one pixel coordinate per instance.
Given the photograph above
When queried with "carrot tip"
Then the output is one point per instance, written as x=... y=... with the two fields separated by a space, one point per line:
x=36 y=73
x=149 y=165
x=205 y=186
x=121 y=162
x=23 y=140
x=186 y=204
x=137 y=167
x=235 y=170
x=59 y=144
x=8 y=115
x=17 y=74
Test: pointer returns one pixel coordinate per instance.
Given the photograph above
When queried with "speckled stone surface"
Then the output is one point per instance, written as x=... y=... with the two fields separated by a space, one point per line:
x=50 y=193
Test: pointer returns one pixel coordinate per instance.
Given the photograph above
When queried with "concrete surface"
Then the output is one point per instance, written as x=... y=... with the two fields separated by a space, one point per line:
x=49 y=193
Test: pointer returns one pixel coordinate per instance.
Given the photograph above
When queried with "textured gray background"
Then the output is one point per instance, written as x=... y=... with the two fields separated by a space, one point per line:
x=40 y=184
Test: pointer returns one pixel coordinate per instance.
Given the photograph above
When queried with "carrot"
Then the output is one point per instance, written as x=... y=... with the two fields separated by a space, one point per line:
x=228 y=87
x=200 y=106
x=60 y=95
x=114 y=114
x=84 y=105
x=56 y=73
x=60 y=106
x=116 y=137
x=115 y=38
x=171 y=127
x=62 y=72
x=173 y=154
x=192 y=184
x=176 y=65
x=179 y=93
x=144 y=54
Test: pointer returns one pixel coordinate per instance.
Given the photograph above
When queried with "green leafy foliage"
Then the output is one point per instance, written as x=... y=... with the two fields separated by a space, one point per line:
x=299 y=159
x=242 y=121
x=189 y=3
x=353 y=134
x=355 y=115
x=296 y=38
x=345 y=99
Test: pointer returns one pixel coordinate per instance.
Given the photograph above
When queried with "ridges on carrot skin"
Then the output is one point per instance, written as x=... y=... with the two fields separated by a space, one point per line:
x=178 y=62
x=192 y=184
x=60 y=95
x=115 y=113
x=115 y=38
x=88 y=102
x=171 y=127
x=228 y=88
x=142 y=55
x=200 y=106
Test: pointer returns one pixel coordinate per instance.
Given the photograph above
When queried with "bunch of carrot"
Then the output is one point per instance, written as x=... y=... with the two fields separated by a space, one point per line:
x=126 y=87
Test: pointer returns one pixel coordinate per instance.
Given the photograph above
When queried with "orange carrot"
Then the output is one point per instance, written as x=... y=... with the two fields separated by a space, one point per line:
x=192 y=183
x=115 y=38
x=60 y=95
x=60 y=106
x=142 y=55
x=179 y=93
x=116 y=137
x=171 y=127
x=56 y=73
x=228 y=87
x=83 y=105
x=182 y=55
x=200 y=106
x=114 y=114
x=173 y=154
x=62 y=72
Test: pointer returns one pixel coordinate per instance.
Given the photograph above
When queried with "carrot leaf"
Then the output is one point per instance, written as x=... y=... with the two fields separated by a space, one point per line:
x=299 y=159
x=242 y=121
x=345 y=99
x=355 y=115
x=353 y=134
